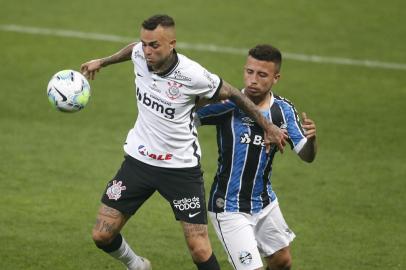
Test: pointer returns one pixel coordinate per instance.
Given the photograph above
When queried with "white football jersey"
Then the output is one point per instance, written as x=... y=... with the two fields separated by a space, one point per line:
x=164 y=133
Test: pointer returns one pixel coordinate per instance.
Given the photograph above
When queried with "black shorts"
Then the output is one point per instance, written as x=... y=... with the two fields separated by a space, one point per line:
x=136 y=181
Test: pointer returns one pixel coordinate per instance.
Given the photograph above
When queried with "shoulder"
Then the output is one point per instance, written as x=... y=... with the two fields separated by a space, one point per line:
x=137 y=52
x=192 y=70
x=284 y=103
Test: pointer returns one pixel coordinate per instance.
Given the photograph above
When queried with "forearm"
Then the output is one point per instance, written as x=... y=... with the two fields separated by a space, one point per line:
x=245 y=104
x=123 y=55
x=309 y=150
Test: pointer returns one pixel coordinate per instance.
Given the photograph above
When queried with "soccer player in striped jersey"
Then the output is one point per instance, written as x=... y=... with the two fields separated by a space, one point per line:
x=242 y=206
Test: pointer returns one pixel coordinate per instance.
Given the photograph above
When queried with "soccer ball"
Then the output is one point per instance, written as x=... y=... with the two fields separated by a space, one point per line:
x=68 y=91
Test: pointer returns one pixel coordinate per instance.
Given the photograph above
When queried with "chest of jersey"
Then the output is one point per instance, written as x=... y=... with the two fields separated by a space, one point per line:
x=163 y=97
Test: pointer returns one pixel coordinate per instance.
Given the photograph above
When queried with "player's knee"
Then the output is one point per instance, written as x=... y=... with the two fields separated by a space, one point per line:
x=200 y=253
x=102 y=239
x=283 y=262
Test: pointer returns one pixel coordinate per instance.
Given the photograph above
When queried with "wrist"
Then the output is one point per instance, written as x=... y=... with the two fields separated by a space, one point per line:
x=104 y=62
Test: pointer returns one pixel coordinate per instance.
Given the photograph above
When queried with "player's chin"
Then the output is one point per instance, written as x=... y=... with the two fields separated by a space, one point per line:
x=252 y=91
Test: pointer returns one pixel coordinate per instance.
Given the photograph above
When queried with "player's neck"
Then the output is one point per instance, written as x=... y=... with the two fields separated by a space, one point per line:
x=167 y=64
x=262 y=102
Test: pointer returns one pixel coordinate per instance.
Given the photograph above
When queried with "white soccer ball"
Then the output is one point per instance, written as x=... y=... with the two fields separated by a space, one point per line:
x=68 y=91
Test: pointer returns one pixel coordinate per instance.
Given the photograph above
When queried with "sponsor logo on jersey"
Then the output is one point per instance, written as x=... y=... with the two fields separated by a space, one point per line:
x=114 y=191
x=173 y=91
x=245 y=257
x=256 y=140
x=156 y=104
x=154 y=87
x=144 y=152
x=137 y=54
x=180 y=77
x=247 y=121
x=212 y=83
x=187 y=204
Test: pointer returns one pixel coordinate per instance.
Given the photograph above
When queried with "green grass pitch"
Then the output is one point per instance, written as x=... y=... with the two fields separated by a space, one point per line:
x=347 y=208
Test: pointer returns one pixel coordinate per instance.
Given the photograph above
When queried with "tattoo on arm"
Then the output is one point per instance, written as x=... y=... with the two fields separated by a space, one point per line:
x=229 y=92
x=120 y=56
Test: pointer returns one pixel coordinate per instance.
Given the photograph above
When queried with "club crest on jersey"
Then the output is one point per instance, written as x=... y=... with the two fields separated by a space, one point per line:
x=220 y=203
x=173 y=91
x=245 y=257
x=114 y=191
x=142 y=150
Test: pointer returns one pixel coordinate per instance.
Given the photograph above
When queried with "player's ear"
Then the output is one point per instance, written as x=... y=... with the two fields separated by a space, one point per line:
x=276 y=78
x=172 y=43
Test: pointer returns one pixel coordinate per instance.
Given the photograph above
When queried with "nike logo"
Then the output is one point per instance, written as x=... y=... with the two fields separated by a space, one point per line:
x=192 y=215
x=139 y=75
x=64 y=98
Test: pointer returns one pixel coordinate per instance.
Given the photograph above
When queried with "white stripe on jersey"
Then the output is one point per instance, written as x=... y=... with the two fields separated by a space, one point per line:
x=163 y=134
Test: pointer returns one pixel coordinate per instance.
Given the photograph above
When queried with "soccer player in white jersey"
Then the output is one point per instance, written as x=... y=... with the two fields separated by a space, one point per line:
x=242 y=205
x=162 y=152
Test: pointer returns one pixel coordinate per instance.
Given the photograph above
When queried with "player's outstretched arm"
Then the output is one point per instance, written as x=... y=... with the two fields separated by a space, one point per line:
x=309 y=150
x=272 y=134
x=90 y=68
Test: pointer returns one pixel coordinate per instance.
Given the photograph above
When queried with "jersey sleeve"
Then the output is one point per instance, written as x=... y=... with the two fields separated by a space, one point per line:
x=214 y=114
x=297 y=138
x=205 y=84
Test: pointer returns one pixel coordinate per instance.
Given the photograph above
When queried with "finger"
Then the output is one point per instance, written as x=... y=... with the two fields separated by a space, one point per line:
x=83 y=69
x=304 y=116
x=280 y=147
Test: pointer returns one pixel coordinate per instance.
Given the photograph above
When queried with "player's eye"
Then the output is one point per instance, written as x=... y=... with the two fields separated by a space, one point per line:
x=262 y=74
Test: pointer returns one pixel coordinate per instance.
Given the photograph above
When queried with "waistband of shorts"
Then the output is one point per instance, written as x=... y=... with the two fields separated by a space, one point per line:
x=133 y=160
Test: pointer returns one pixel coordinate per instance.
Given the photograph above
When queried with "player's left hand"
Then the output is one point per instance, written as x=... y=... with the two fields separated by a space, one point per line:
x=309 y=126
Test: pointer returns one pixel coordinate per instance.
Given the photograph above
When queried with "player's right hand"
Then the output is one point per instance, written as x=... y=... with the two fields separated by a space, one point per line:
x=275 y=135
x=90 y=68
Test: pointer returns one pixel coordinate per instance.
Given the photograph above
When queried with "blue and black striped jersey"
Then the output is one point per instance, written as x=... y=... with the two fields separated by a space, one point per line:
x=243 y=179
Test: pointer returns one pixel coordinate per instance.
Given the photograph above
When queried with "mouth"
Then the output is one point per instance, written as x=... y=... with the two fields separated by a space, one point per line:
x=252 y=89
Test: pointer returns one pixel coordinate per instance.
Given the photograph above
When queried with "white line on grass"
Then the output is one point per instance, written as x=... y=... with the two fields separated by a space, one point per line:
x=200 y=47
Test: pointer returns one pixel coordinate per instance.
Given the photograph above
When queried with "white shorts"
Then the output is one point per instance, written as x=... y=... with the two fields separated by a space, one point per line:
x=247 y=237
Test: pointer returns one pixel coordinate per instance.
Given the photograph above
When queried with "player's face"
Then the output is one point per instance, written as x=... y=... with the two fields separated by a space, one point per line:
x=259 y=76
x=157 y=45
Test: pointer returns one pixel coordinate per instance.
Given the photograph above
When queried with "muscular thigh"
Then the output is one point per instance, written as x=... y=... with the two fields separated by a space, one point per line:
x=235 y=231
x=184 y=190
x=272 y=232
x=130 y=187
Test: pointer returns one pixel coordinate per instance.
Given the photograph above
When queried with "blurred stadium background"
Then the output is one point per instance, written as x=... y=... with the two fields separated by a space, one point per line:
x=344 y=65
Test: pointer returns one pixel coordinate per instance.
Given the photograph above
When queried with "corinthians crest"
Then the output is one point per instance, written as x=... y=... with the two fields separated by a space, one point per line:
x=173 y=91
x=114 y=191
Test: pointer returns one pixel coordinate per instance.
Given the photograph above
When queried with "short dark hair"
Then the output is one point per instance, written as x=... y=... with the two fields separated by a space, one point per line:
x=160 y=19
x=266 y=52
